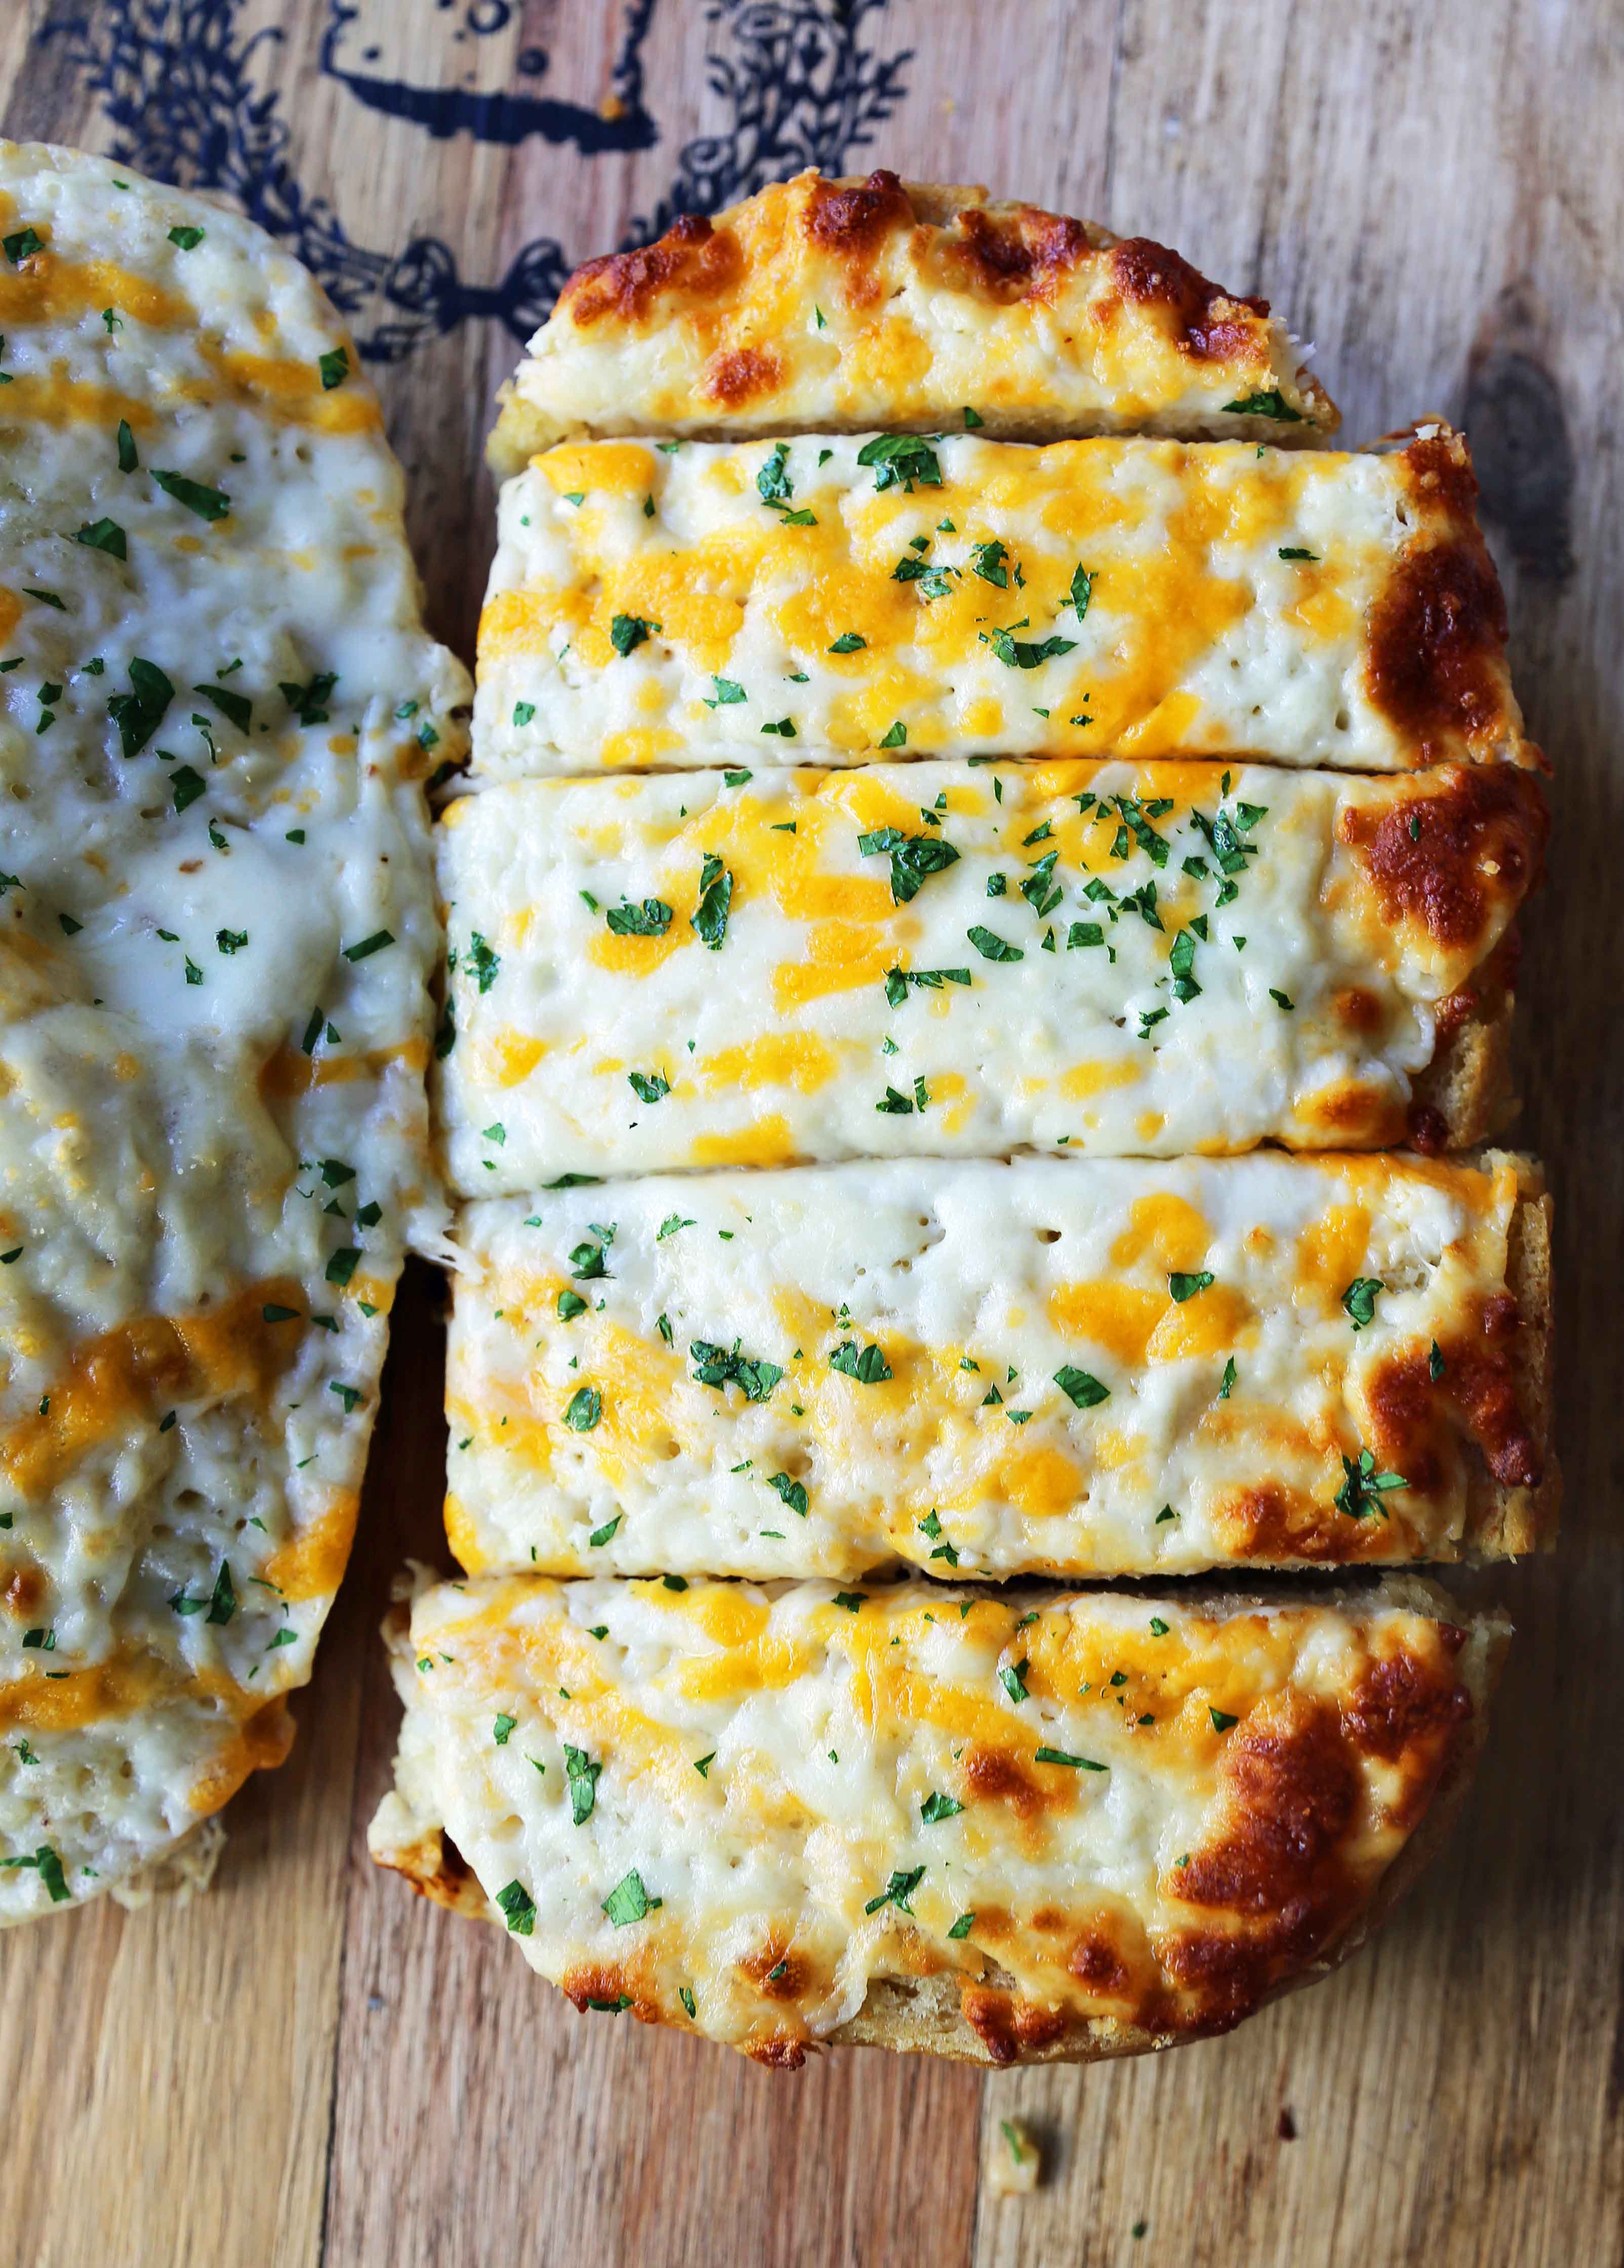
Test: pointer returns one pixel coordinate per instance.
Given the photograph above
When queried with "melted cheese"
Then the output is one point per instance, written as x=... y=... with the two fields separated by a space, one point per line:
x=1230 y=600
x=216 y=927
x=1091 y=1780
x=1053 y=1391
x=809 y=307
x=1306 y=1012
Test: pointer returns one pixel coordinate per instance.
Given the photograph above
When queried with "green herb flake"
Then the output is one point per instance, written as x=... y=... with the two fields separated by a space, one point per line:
x=629 y=1902
x=520 y=1908
x=651 y=918
x=103 y=535
x=582 y=1777
x=991 y=947
x=897 y=1892
x=936 y=1807
x=207 y=503
x=1063 y=1757
x=627 y=632
x=1272 y=403
x=709 y=919
x=715 y=1365
x=583 y=1410
x=1359 y=1300
x=868 y=1366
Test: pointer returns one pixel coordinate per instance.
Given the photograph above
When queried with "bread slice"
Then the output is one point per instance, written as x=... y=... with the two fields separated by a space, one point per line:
x=1015 y=1827
x=948 y=959
x=843 y=305
x=806 y=601
x=1067 y=1367
x=216 y=930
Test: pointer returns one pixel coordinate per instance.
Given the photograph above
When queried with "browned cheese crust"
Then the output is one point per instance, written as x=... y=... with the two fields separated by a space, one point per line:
x=818 y=305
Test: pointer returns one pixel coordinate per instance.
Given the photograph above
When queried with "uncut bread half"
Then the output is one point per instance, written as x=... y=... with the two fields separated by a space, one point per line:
x=838 y=305
x=652 y=606
x=950 y=959
x=1004 y=1827
x=217 y=705
x=1075 y=1368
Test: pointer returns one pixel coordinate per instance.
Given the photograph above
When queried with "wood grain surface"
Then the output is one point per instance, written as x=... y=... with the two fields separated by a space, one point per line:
x=311 y=2065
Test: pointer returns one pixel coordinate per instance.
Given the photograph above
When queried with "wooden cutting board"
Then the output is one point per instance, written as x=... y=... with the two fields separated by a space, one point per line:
x=311 y=2065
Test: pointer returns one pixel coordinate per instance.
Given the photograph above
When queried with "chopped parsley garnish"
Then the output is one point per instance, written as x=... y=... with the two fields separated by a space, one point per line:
x=1063 y=1757
x=651 y=918
x=207 y=503
x=524 y=713
x=376 y=943
x=938 y=1806
x=991 y=947
x=1082 y=591
x=139 y=712
x=628 y=1901
x=342 y=1264
x=334 y=368
x=234 y=707
x=1436 y=1365
x=22 y=245
x=849 y=642
x=583 y=1410
x=1025 y=653
x=1229 y=1375
x=647 y=1088
x=582 y=1777
x=1080 y=1388
x=1364 y=1487
x=483 y=961
x=306 y=701
x=728 y=694
x=1281 y=1000
x=715 y=1365
x=1359 y=1300
x=894 y=1105
x=1270 y=404
x=785 y=728
x=627 y=632
x=1295 y=551
x=716 y=896
x=1012 y=1677
x=792 y=1492
x=570 y=1304
x=103 y=535
x=989 y=561
x=187 y=786
x=45 y=1858
x=962 y=1927
x=868 y=1366
x=520 y=1907
x=1221 y=1719
x=599 y=1536
x=1185 y=1287
x=914 y=859
x=899 y=460
x=773 y=483
x=897 y=1892
x=502 y=1725
x=672 y=1222
x=897 y=737
x=188 y=239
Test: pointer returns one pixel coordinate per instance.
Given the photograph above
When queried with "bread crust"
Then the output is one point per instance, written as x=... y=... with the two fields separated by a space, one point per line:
x=926 y=2015
x=688 y=333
